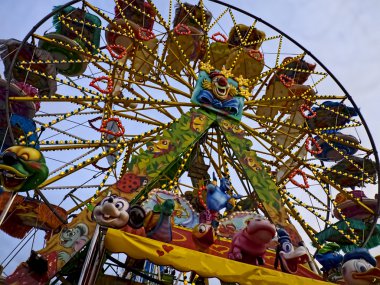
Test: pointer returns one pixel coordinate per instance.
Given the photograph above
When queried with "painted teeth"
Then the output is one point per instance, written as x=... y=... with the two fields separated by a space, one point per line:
x=20 y=178
x=10 y=175
x=106 y=216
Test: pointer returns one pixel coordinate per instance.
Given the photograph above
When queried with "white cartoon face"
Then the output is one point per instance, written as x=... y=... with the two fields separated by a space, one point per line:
x=352 y=267
x=115 y=212
x=112 y=212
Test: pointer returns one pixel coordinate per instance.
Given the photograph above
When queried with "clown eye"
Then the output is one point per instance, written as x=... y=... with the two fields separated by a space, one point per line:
x=119 y=205
x=287 y=246
x=361 y=266
x=202 y=228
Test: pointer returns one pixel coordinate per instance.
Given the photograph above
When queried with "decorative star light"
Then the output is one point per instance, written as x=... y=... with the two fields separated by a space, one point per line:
x=245 y=93
x=226 y=72
x=206 y=66
x=242 y=81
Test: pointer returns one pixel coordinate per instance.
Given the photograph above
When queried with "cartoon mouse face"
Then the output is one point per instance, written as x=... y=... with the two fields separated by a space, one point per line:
x=115 y=212
x=70 y=236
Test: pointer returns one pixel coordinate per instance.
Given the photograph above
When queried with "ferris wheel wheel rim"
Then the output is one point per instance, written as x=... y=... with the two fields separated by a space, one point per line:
x=349 y=97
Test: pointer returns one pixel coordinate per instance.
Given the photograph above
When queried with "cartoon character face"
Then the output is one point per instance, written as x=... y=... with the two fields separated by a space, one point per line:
x=115 y=212
x=218 y=91
x=22 y=169
x=226 y=124
x=225 y=184
x=69 y=237
x=252 y=163
x=203 y=234
x=260 y=229
x=220 y=87
x=112 y=212
x=232 y=128
x=360 y=268
x=352 y=267
x=198 y=122
x=289 y=255
x=168 y=207
x=161 y=147
x=238 y=131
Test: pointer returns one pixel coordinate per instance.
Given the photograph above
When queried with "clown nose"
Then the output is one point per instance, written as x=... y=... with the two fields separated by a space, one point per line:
x=222 y=81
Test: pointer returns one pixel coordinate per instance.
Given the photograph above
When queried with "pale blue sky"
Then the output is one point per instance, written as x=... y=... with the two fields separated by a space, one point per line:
x=342 y=34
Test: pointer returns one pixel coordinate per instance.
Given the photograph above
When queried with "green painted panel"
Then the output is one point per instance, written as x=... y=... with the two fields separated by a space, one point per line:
x=160 y=161
x=262 y=183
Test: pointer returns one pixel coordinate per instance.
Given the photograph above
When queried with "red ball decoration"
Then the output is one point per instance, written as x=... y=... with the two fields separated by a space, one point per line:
x=109 y=88
x=307 y=146
x=104 y=129
x=182 y=29
x=117 y=51
x=145 y=34
x=286 y=80
x=256 y=54
x=219 y=37
x=304 y=108
x=304 y=177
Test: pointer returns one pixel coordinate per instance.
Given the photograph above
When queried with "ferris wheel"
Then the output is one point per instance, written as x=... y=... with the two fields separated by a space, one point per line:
x=133 y=96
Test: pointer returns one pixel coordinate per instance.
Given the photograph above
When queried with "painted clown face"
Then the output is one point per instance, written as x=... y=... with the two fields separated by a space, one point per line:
x=220 y=87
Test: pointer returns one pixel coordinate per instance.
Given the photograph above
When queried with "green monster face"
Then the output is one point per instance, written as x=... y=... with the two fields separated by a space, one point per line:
x=22 y=169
